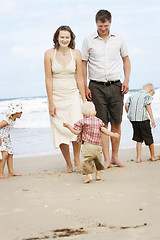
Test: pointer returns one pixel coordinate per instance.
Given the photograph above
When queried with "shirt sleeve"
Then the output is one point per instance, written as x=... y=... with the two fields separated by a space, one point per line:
x=78 y=126
x=6 y=119
x=148 y=100
x=85 y=50
x=101 y=124
x=123 y=50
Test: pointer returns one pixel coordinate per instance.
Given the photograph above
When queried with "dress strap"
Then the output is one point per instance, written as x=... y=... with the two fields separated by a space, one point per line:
x=71 y=54
x=54 y=56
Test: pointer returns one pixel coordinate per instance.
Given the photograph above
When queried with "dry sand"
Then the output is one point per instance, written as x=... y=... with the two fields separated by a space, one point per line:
x=46 y=203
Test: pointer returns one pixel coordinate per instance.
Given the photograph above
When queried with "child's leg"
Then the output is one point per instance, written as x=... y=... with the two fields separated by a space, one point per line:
x=10 y=166
x=98 y=176
x=76 y=152
x=2 y=164
x=88 y=179
x=153 y=157
x=139 y=150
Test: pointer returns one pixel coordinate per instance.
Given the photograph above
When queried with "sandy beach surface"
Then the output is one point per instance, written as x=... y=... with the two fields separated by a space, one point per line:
x=46 y=203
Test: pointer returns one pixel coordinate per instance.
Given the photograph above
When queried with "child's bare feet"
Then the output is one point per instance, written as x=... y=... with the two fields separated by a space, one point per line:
x=2 y=176
x=14 y=174
x=98 y=178
x=88 y=179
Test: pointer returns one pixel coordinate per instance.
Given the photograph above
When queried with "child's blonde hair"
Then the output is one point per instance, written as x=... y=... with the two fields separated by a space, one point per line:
x=148 y=87
x=88 y=109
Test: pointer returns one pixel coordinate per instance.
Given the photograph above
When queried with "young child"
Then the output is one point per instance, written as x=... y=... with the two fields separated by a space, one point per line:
x=138 y=106
x=89 y=130
x=14 y=112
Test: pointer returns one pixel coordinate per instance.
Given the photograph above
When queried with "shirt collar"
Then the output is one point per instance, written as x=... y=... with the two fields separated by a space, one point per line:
x=95 y=35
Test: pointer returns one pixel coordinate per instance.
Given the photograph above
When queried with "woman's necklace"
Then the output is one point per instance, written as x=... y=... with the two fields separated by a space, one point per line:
x=64 y=53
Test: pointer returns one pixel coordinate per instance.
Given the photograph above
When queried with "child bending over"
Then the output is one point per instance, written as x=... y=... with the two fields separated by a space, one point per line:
x=15 y=111
x=138 y=106
x=89 y=130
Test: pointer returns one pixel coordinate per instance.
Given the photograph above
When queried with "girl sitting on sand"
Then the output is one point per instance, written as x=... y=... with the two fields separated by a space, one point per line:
x=14 y=112
x=89 y=130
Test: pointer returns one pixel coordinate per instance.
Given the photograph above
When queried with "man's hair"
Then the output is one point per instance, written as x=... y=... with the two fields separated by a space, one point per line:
x=88 y=108
x=103 y=15
x=148 y=87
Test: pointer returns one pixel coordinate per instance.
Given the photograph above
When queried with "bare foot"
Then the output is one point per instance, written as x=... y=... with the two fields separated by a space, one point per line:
x=107 y=164
x=138 y=160
x=88 y=179
x=68 y=170
x=118 y=163
x=98 y=178
x=2 y=176
x=78 y=167
x=154 y=158
x=14 y=174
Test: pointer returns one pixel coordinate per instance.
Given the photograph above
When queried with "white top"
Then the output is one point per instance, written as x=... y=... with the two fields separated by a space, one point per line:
x=104 y=58
x=4 y=131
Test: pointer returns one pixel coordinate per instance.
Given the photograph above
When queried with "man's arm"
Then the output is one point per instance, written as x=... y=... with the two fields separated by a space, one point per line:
x=127 y=70
x=149 y=109
x=87 y=90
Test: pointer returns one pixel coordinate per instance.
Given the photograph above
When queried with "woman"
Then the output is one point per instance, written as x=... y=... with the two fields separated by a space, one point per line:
x=64 y=85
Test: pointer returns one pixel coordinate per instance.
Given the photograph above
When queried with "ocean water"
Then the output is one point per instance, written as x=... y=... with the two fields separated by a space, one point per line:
x=31 y=134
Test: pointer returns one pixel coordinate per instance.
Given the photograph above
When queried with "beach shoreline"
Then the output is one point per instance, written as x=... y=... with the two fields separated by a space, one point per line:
x=46 y=203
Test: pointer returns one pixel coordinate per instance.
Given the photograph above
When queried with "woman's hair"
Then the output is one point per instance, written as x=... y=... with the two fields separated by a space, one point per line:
x=148 y=87
x=56 y=34
x=88 y=109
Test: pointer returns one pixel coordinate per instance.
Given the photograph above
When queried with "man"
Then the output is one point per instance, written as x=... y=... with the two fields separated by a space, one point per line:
x=102 y=52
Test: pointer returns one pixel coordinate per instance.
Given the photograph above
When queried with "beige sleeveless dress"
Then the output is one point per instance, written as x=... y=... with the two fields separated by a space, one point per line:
x=67 y=100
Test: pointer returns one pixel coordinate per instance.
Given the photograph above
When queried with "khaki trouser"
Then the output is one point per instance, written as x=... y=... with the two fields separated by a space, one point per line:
x=91 y=158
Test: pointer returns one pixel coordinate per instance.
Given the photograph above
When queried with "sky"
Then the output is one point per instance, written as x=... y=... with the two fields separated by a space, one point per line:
x=27 y=28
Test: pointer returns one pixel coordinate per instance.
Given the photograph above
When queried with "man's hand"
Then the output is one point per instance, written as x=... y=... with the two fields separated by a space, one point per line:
x=125 y=87
x=88 y=94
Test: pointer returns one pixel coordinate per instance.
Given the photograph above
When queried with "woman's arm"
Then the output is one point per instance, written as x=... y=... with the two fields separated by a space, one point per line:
x=49 y=81
x=74 y=131
x=79 y=74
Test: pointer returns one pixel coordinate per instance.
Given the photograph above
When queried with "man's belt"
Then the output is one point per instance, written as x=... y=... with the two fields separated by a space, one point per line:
x=108 y=83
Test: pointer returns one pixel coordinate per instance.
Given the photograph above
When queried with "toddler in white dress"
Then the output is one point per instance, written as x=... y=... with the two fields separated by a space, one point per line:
x=14 y=112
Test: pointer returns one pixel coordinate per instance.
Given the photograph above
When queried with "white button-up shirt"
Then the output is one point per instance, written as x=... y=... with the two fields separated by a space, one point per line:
x=104 y=58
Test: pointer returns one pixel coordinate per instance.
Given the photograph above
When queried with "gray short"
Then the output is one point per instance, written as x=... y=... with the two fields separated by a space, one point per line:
x=108 y=101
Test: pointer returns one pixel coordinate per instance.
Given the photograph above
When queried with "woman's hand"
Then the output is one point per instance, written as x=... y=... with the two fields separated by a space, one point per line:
x=52 y=110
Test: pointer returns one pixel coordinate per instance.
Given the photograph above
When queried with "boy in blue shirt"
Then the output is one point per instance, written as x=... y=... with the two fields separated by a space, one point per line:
x=138 y=107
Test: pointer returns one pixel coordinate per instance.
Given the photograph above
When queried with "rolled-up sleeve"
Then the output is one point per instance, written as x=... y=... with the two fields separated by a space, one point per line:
x=85 y=50
x=124 y=50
